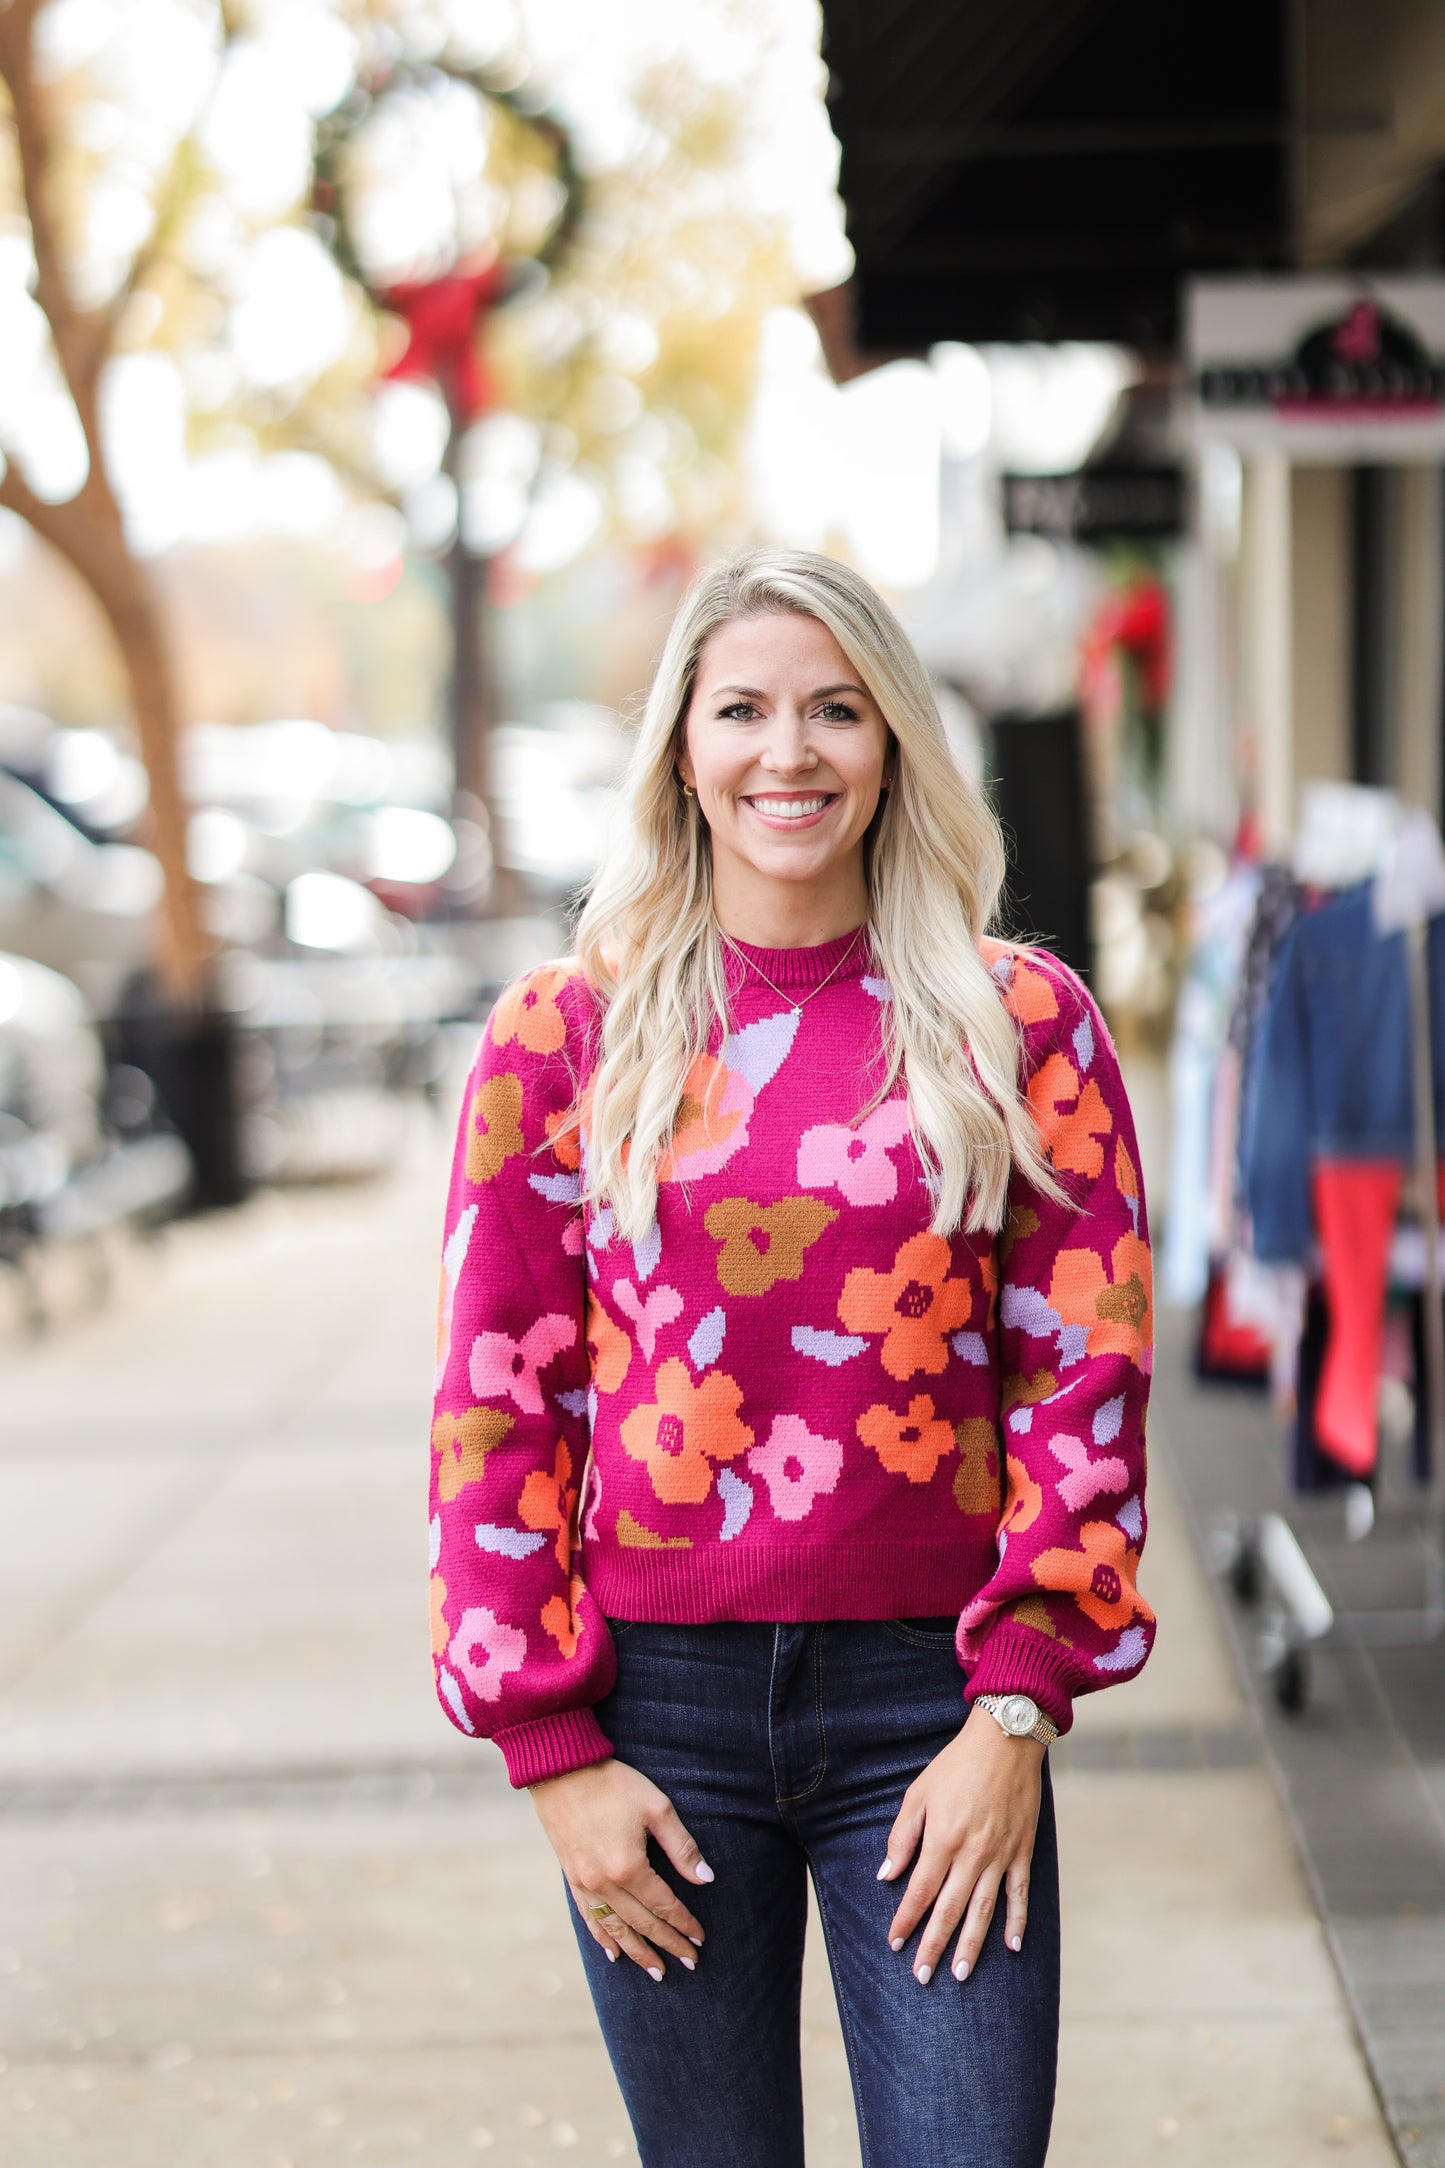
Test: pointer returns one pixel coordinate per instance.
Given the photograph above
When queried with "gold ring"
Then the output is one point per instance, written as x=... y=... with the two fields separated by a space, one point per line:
x=601 y=1912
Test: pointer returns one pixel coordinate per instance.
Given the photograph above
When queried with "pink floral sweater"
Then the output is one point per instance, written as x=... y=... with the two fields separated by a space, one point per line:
x=791 y=1401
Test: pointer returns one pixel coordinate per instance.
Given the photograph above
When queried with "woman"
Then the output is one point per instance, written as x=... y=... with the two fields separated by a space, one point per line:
x=808 y=1220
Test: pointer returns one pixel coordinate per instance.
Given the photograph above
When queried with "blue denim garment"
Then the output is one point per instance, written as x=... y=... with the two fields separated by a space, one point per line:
x=786 y=1750
x=1331 y=1074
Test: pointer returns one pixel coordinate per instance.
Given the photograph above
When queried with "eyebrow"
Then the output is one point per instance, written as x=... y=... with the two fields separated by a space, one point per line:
x=754 y=692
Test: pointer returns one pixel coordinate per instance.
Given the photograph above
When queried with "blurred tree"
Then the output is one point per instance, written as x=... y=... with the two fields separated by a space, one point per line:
x=159 y=242
x=86 y=526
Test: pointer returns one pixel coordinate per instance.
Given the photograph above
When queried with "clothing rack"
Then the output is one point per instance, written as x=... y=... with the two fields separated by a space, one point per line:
x=1261 y=1556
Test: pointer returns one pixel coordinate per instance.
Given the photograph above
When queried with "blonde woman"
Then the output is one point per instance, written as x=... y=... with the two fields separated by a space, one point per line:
x=807 y=1221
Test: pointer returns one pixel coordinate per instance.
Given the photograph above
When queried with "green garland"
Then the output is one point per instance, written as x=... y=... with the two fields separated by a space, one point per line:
x=337 y=129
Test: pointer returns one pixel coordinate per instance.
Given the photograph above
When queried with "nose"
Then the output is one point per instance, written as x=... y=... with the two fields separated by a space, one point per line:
x=787 y=751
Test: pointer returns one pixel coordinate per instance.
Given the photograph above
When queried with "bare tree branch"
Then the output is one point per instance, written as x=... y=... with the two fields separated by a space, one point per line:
x=71 y=334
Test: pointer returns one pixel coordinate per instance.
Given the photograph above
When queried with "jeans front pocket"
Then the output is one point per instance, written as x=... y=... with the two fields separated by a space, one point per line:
x=923 y=1633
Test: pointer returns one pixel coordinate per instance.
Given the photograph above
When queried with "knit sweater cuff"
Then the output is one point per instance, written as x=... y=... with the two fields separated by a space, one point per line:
x=552 y=1746
x=1021 y=1660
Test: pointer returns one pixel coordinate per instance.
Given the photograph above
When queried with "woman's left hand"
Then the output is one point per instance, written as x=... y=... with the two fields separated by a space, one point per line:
x=971 y=1816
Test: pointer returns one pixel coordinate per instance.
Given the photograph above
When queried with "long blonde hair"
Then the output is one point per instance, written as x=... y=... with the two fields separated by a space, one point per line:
x=647 y=938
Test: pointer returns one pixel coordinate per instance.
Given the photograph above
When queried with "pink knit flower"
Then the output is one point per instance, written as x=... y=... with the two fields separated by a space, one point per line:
x=797 y=1465
x=854 y=1159
x=485 y=1651
x=502 y=1366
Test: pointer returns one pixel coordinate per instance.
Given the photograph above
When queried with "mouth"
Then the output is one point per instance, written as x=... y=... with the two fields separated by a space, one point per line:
x=785 y=810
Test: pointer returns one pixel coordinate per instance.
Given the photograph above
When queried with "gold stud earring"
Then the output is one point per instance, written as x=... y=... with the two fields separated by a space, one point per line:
x=688 y=791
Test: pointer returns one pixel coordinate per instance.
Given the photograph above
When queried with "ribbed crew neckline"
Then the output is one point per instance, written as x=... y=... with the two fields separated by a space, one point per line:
x=800 y=968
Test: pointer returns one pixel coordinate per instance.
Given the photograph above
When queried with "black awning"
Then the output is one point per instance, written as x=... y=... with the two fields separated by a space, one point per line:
x=1052 y=169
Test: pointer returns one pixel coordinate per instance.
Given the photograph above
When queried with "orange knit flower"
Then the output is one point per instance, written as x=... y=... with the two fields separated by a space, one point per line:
x=530 y=1014
x=1025 y=1500
x=911 y=1444
x=1029 y=996
x=915 y=1306
x=1071 y=1120
x=1099 y=1575
x=712 y=1121
x=549 y=1502
x=685 y=1429
x=560 y=1617
x=1115 y=1306
x=441 y=1633
x=609 y=1349
x=563 y=1135
x=764 y=1243
x=494 y=1126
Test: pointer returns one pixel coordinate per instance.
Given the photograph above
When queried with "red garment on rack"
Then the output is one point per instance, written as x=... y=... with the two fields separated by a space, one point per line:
x=1355 y=1206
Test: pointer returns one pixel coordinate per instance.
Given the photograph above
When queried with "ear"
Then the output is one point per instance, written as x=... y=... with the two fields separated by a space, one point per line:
x=685 y=767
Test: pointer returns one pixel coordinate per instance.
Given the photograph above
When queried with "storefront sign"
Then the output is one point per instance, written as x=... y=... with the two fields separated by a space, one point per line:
x=1098 y=504
x=1333 y=369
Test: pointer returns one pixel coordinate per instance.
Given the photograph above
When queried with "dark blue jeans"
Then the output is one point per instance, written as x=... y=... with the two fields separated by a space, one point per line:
x=786 y=1751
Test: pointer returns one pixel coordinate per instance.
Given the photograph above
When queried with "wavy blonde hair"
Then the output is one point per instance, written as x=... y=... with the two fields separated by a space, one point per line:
x=648 y=941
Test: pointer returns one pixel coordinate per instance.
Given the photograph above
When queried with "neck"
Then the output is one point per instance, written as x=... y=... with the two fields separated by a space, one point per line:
x=787 y=914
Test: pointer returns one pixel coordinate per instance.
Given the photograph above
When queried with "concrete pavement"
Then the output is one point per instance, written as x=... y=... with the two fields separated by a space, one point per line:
x=263 y=1908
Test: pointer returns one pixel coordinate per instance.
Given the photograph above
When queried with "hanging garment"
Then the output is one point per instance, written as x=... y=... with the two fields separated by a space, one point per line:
x=1332 y=1078
x=1355 y=1206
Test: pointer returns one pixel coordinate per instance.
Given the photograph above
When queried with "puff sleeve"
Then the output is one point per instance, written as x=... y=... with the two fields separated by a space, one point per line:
x=520 y=1649
x=1061 y=1614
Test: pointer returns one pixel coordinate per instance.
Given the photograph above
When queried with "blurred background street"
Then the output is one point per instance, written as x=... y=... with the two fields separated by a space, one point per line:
x=374 y=376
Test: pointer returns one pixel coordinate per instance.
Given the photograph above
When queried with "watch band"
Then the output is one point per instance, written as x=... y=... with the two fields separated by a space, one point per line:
x=1043 y=1729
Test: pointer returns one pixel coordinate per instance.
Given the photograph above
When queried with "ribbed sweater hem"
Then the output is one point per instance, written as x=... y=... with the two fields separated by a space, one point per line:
x=785 y=1585
x=552 y=1746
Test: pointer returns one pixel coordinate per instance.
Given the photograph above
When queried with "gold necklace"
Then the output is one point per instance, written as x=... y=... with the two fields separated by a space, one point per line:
x=748 y=965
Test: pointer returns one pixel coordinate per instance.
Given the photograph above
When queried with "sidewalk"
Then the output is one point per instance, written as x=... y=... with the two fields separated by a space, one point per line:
x=265 y=1909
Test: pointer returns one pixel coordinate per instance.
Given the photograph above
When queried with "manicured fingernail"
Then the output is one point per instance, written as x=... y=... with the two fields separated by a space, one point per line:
x=609 y=1953
x=896 y=1943
x=696 y=1941
x=1015 y=1942
x=654 y=1972
x=703 y=1872
x=960 y=1970
x=690 y=1963
x=885 y=1870
x=923 y=1975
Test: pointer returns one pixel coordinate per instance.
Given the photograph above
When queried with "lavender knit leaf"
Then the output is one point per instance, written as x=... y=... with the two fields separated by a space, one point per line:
x=1024 y=1309
x=759 y=1050
x=706 y=1339
x=557 y=1188
x=435 y=1547
x=507 y=1542
x=1084 y=1040
x=1109 y=1420
x=832 y=1348
x=1130 y=1517
x=1130 y=1649
x=737 y=1498
x=970 y=1347
x=451 y=1693
x=575 y=1401
x=880 y=989
x=646 y=1252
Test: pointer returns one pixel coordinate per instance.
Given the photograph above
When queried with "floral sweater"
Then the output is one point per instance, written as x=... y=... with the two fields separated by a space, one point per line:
x=791 y=1401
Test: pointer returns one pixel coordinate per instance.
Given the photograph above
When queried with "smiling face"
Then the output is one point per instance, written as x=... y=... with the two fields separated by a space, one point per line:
x=787 y=751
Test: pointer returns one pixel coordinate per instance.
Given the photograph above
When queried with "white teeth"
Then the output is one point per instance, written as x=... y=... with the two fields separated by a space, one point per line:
x=788 y=809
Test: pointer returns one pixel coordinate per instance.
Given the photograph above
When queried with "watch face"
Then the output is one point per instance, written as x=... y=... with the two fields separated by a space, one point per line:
x=1020 y=1715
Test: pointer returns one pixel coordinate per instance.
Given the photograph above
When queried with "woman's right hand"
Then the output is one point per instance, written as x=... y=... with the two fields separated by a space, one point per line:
x=598 y=1821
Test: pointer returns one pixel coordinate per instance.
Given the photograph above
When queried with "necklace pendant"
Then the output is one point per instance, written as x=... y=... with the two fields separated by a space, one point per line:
x=797 y=1008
